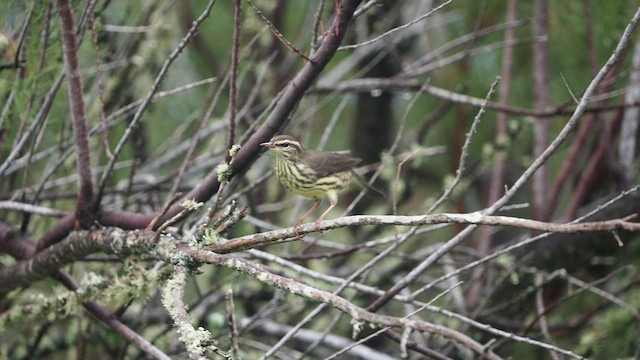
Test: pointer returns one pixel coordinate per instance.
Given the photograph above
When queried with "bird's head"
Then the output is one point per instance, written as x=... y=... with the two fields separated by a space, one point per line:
x=284 y=145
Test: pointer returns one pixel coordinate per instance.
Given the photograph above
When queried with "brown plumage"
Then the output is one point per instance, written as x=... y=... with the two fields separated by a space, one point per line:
x=310 y=173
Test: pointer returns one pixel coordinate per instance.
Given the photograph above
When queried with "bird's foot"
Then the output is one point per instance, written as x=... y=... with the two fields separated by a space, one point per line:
x=296 y=229
x=318 y=226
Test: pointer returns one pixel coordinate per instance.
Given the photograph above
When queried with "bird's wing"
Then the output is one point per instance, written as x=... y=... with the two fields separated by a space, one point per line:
x=327 y=163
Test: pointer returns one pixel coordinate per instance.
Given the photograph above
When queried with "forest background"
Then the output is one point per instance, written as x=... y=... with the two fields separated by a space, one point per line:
x=137 y=204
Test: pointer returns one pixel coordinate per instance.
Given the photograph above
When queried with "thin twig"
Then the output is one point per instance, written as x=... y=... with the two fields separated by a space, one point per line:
x=233 y=80
x=317 y=20
x=233 y=329
x=277 y=33
x=403 y=85
x=465 y=150
x=396 y=29
x=485 y=237
x=194 y=139
x=541 y=317
x=103 y=117
x=164 y=210
x=343 y=284
x=31 y=209
x=387 y=328
x=17 y=61
x=358 y=314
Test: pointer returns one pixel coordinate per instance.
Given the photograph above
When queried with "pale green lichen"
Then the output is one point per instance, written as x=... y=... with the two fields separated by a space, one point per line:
x=357 y=327
x=210 y=237
x=167 y=299
x=191 y=205
x=91 y=278
x=135 y=282
x=197 y=341
x=190 y=240
x=180 y=258
x=53 y=308
x=224 y=171
x=234 y=150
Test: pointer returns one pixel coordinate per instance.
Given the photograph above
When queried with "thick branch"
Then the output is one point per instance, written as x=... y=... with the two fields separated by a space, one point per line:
x=76 y=246
x=14 y=243
x=80 y=244
x=269 y=237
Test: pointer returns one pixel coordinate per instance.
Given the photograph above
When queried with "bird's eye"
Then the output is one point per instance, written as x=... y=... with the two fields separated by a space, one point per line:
x=285 y=145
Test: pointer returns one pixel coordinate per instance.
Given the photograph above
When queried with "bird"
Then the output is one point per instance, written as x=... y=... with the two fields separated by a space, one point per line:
x=312 y=174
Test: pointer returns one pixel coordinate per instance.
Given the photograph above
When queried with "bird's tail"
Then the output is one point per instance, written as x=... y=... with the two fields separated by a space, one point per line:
x=363 y=184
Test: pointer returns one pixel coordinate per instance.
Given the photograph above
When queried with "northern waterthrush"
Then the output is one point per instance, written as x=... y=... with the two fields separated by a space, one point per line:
x=312 y=174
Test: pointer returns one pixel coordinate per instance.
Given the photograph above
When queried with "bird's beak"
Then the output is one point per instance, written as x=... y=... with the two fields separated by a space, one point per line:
x=268 y=145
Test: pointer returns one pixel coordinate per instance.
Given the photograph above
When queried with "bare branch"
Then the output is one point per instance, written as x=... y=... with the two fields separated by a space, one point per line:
x=76 y=104
x=400 y=85
x=277 y=33
x=31 y=209
x=399 y=28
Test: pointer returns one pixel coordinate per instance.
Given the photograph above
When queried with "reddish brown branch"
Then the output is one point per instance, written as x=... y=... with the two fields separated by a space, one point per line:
x=15 y=243
x=85 y=214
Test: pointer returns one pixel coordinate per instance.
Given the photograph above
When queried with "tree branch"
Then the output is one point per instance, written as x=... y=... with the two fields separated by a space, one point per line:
x=80 y=244
x=85 y=214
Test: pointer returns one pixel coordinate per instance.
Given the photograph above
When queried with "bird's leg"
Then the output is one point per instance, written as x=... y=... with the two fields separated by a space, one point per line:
x=296 y=231
x=333 y=204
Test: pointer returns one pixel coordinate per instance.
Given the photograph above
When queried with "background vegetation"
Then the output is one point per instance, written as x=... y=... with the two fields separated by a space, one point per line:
x=114 y=113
